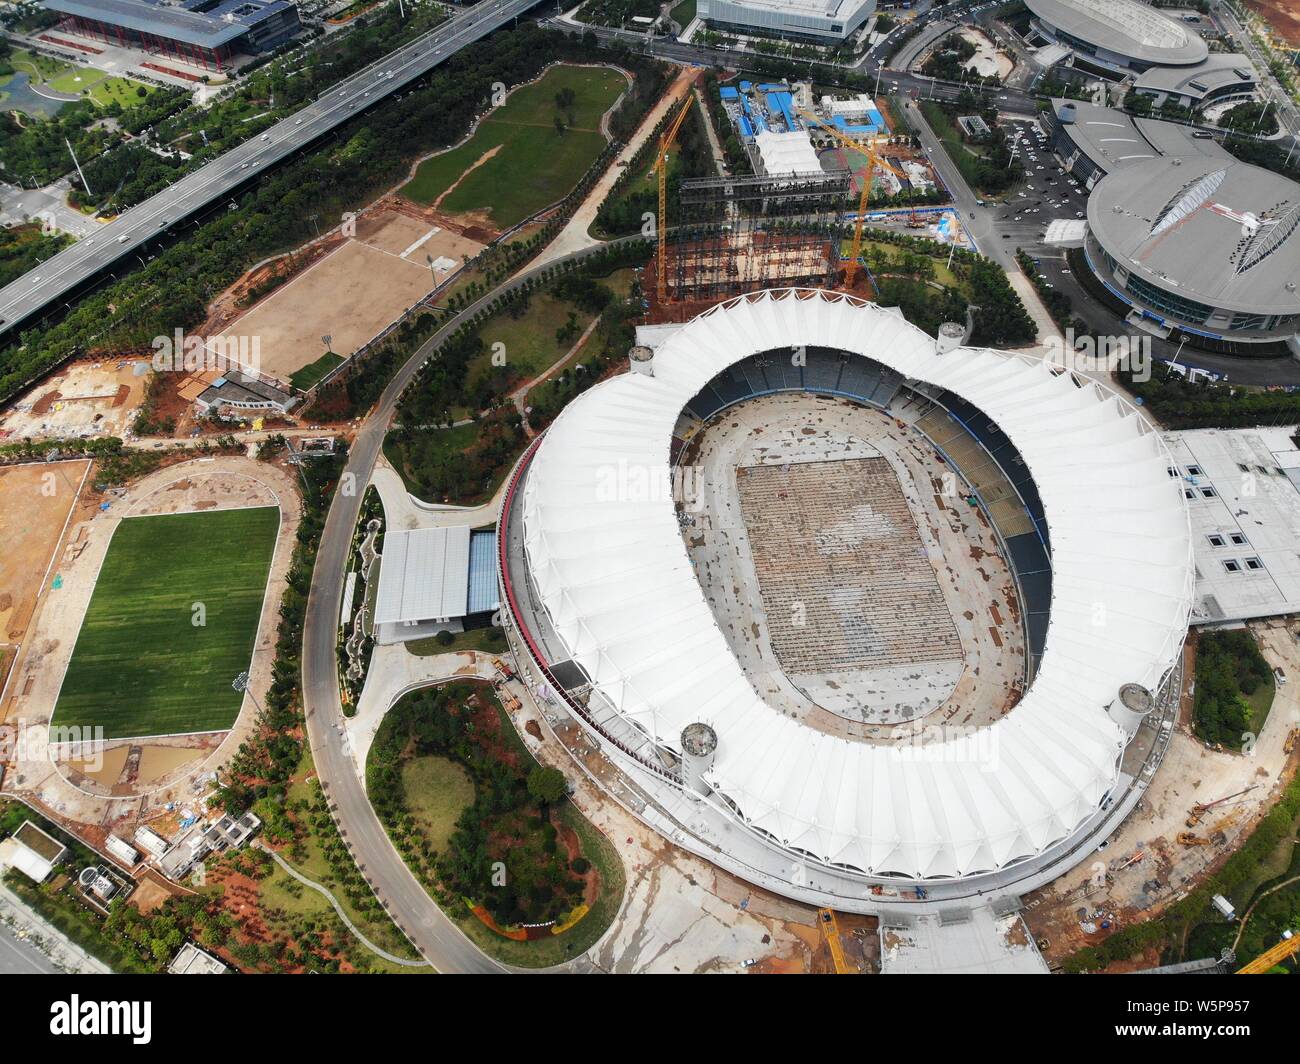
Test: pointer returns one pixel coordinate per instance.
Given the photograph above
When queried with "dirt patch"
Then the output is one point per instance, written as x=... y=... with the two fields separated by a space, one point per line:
x=84 y=398
x=35 y=501
x=1282 y=15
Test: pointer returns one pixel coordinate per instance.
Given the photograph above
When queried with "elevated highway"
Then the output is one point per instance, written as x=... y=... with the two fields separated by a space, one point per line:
x=58 y=279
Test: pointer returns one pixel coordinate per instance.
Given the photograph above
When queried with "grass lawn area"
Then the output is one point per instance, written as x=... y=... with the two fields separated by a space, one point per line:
x=140 y=665
x=437 y=792
x=42 y=68
x=312 y=372
x=530 y=344
x=1261 y=701
x=476 y=639
x=533 y=165
x=942 y=274
x=446 y=442
x=684 y=13
x=103 y=90
x=382 y=932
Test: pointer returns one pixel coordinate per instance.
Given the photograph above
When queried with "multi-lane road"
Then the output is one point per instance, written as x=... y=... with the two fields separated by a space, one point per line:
x=439 y=940
x=56 y=280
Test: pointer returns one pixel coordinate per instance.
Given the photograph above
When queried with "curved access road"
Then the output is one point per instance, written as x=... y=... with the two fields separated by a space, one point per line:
x=437 y=938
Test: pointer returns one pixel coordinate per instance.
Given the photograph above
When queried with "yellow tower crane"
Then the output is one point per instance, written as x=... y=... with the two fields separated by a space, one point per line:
x=873 y=160
x=666 y=142
x=1270 y=957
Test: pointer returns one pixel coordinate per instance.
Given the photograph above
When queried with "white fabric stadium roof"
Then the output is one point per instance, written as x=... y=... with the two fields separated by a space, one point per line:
x=614 y=577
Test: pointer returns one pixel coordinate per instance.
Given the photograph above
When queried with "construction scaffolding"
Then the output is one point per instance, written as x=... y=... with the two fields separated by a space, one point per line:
x=740 y=234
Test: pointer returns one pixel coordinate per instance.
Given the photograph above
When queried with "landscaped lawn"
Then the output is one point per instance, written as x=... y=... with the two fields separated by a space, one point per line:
x=42 y=68
x=488 y=640
x=530 y=342
x=534 y=164
x=684 y=13
x=103 y=89
x=141 y=665
x=437 y=791
x=309 y=374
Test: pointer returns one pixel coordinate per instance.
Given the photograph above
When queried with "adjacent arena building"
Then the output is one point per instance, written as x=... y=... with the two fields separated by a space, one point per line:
x=852 y=611
x=1200 y=245
x=1116 y=37
x=827 y=22
x=208 y=33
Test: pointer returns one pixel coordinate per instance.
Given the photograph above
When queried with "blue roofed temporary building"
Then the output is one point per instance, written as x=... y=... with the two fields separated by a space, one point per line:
x=728 y=92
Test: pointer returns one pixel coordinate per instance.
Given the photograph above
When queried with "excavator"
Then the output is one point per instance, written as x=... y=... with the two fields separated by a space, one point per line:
x=1190 y=838
x=1201 y=808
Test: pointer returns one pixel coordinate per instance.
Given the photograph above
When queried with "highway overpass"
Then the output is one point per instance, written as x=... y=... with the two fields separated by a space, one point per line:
x=56 y=280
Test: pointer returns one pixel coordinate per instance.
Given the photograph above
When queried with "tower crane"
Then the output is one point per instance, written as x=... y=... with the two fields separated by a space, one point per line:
x=1289 y=945
x=873 y=160
x=666 y=142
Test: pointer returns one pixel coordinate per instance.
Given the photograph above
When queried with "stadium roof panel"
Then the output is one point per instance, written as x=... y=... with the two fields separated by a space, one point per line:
x=1221 y=232
x=618 y=587
x=1124 y=27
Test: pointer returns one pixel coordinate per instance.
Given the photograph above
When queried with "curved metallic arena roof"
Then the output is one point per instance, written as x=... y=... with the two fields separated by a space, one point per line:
x=1218 y=231
x=1124 y=27
x=615 y=580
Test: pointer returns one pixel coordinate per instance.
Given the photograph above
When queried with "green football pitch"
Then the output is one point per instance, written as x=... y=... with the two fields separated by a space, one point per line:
x=143 y=665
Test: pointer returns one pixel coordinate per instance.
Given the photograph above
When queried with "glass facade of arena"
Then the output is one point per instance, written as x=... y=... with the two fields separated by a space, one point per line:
x=830 y=23
x=1238 y=326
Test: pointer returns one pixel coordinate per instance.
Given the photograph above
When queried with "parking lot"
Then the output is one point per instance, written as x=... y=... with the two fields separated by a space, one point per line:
x=1048 y=192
